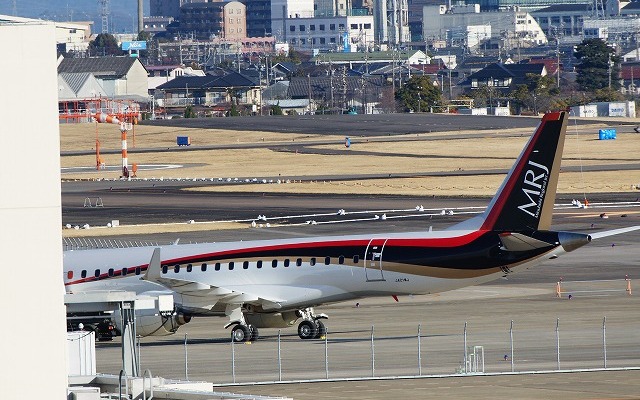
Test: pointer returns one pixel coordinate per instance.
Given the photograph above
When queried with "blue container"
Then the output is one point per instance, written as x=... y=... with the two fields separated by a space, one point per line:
x=607 y=134
x=183 y=141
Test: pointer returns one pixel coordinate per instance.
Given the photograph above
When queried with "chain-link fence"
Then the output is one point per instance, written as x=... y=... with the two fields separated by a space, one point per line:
x=421 y=352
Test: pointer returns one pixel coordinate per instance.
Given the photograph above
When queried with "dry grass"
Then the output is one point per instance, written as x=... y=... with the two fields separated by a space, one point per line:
x=489 y=152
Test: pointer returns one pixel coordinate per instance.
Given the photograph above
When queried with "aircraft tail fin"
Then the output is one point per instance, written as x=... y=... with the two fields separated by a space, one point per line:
x=525 y=199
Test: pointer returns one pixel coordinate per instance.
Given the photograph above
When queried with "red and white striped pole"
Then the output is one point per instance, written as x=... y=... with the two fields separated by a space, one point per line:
x=125 y=167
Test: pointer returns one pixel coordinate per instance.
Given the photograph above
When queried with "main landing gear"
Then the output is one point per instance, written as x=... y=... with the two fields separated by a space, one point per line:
x=311 y=327
x=244 y=333
x=241 y=332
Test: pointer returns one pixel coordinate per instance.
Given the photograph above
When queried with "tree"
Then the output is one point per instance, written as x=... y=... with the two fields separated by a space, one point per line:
x=105 y=44
x=598 y=67
x=419 y=94
x=189 y=112
x=537 y=93
x=276 y=110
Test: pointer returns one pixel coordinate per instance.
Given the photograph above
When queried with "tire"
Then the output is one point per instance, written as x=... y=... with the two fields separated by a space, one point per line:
x=322 y=330
x=255 y=334
x=307 y=330
x=240 y=333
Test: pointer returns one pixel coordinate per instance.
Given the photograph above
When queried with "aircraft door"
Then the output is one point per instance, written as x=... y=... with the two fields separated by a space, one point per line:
x=373 y=270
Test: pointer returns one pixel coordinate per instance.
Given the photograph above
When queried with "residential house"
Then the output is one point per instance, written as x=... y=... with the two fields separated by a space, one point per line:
x=339 y=92
x=209 y=91
x=504 y=77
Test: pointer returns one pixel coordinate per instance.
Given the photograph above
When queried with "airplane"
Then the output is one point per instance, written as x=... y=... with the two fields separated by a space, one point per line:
x=275 y=283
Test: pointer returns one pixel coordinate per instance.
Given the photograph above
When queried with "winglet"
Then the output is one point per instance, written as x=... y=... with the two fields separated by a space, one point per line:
x=153 y=271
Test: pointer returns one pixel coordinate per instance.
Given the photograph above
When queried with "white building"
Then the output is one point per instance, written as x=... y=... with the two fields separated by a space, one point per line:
x=30 y=211
x=75 y=36
x=349 y=33
x=444 y=23
x=282 y=10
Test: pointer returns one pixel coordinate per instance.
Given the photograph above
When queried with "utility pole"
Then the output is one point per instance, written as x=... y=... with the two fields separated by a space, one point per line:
x=557 y=59
x=609 y=63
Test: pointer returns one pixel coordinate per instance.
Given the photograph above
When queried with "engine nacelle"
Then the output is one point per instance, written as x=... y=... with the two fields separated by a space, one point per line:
x=155 y=315
x=160 y=325
x=272 y=320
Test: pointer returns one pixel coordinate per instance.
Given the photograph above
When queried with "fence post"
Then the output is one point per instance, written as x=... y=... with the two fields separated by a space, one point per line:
x=419 y=351
x=511 y=337
x=373 y=355
x=604 y=339
x=279 y=358
x=326 y=355
x=465 y=348
x=186 y=359
x=558 y=341
x=233 y=359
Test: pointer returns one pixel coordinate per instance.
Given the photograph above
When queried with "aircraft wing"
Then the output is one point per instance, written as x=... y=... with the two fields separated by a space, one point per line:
x=195 y=289
x=599 y=235
x=519 y=242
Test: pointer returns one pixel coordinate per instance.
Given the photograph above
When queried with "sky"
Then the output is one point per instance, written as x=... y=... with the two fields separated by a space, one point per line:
x=123 y=16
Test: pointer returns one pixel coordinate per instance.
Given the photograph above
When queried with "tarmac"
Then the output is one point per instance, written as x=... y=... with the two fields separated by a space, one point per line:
x=594 y=275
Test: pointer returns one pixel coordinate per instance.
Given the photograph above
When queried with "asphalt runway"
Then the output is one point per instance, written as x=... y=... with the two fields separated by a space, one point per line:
x=364 y=125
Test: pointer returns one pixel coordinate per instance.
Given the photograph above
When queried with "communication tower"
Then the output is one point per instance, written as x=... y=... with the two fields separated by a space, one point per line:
x=104 y=14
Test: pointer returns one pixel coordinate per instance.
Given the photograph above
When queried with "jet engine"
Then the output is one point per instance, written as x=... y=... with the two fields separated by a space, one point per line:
x=150 y=324
x=155 y=315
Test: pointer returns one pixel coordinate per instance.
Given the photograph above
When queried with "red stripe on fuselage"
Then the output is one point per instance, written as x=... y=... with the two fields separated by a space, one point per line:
x=399 y=242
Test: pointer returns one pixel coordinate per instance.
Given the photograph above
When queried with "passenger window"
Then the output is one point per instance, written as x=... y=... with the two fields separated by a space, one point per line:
x=286 y=262
x=217 y=267
x=189 y=267
x=312 y=261
x=356 y=258
x=245 y=265
x=341 y=260
x=110 y=271
x=165 y=269
x=274 y=263
x=83 y=274
x=97 y=274
x=203 y=267
x=298 y=262
x=138 y=270
x=259 y=264
x=176 y=268
x=69 y=274
x=327 y=260
x=231 y=264
x=123 y=272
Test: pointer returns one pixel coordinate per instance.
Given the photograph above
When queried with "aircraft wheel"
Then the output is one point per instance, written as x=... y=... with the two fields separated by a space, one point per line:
x=255 y=334
x=322 y=330
x=307 y=330
x=240 y=333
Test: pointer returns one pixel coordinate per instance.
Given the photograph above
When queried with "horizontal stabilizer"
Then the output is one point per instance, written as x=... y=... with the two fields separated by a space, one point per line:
x=520 y=242
x=599 y=235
